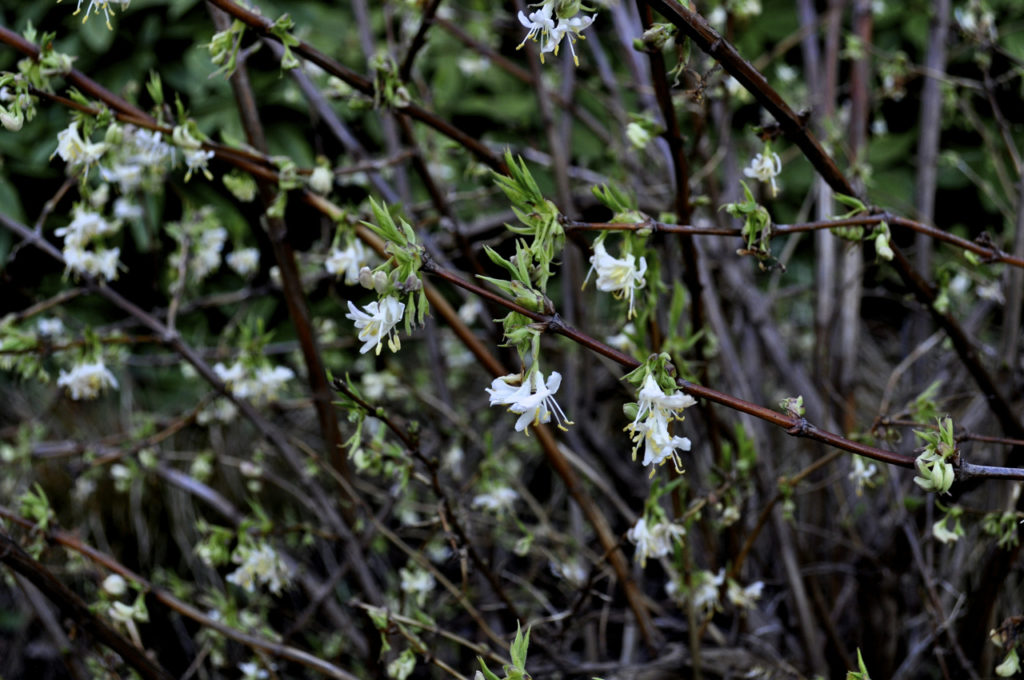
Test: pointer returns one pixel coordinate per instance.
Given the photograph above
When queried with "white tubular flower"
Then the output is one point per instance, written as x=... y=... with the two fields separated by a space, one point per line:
x=861 y=474
x=744 y=597
x=127 y=175
x=99 y=264
x=942 y=533
x=377 y=323
x=75 y=151
x=533 y=398
x=705 y=592
x=618 y=276
x=497 y=500
x=655 y=541
x=765 y=167
x=86 y=381
x=196 y=159
x=539 y=23
x=244 y=261
x=347 y=261
x=572 y=29
x=86 y=226
x=657 y=410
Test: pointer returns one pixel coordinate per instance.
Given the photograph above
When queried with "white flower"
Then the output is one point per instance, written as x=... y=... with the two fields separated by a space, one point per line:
x=50 y=327
x=658 y=410
x=262 y=385
x=11 y=120
x=496 y=500
x=532 y=398
x=196 y=159
x=347 y=261
x=261 y=566
x=705 y=590
x=252 y=671
x=321 y=179
x=571 y=28
x=75 y=151
x=115 y=585
x=127 y=175
x=540 y=24
x=418 y=583
x=100 y=264
x=744 y=597
x=655 y=541
x=378 y=322
x=86 y=381
x=85 y=227
x=101 y=5
x=638 y=135
x=207 y=253
x=121 y=612
x=942 y=534
x=618 y=276
x=765 y=167
x=244 y=261
x=571 y=571
x=861 y=473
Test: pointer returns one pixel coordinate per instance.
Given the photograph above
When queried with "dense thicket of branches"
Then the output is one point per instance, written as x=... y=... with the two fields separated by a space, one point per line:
x=219 y=222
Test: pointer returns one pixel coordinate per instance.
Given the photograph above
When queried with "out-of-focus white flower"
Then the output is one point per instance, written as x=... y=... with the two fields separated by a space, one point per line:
x=655 y=541
x=744 y=597
x=705 y=590
x=376 y=322
x=115 y=585
x=150 y=150
x=418 y=583
x=99 y=263
x=861 y=473
x=618 y=276
x=321 y=180
x=253 y=671
x=1010 y=665
x=498 y=499
x=244 y=261
x=765 y=167
x=261 y=385
x=85 y=226
x=347 y=261
x=533 y=398
x=197 y=159
x=572 y=571
x=50 y=327
x=259 y=566
x=86 y=381
x=942 y=533
x=207 y=252
x=127 y=175
x=11 y=119
x=638 y=135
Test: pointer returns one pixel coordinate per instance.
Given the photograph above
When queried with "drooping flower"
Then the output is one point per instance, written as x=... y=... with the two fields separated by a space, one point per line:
x=765 y=167
x=655 y=410
x=569 y=28
x=532 y=398
x=347 y=261
x=259 y=566
x=744 y=597
x=75 y=151
x=377 y=323
x=86 y=381
x=655 y=541
x=539 y=23
x=618 y=276
x=196 y=159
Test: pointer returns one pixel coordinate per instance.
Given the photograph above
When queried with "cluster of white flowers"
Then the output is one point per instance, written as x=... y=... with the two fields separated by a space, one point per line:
x=549 y=31
x=206 y=253
x=259 y=566
x=376 y=322
x=347 y=261
x=650 y=427
x=532 y=398
x=655 y=541
x=86 y=381
x=765 y=167
x=261 y=384
x=77 y=152
x=79 y=235
x=618 y=276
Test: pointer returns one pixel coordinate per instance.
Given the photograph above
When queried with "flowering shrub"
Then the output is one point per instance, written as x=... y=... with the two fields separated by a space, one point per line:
x=212 y=468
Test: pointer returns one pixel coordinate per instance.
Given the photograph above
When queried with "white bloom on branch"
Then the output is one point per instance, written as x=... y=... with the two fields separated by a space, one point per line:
x=862 y=473
x=543 y=28
x=532 y=398
x=744 y=598
x=75 y=151
x=376 y=322
x=99 y=264
x=196 y=159
x=655 y=541
x=347 y=261
x=86 y=226
x=618 y=276
x=655 y=410
x=569 y=28
x=86 y=381
x=539 y=23
x=765 y=167
x=418 y=583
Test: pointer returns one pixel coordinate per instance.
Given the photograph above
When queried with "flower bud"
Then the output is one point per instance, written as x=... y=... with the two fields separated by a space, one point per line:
x=12 y=120
x=321 y=179
x=366 y=277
